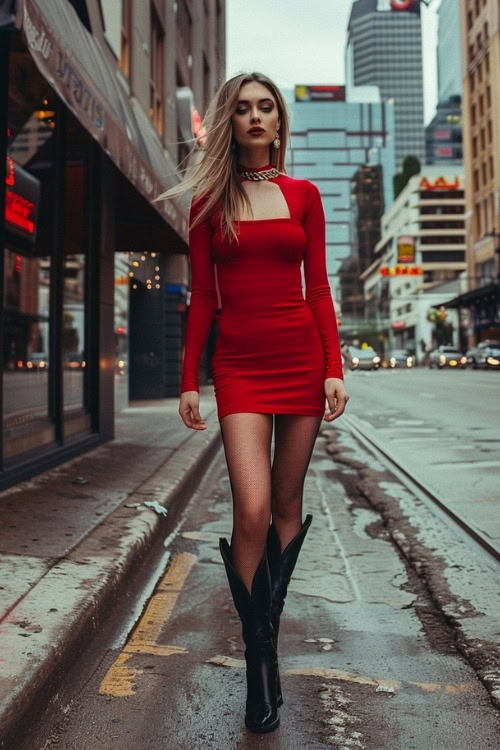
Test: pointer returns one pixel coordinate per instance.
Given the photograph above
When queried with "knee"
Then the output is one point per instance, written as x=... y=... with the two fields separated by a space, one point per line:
x=253 y=523
x=286 y=505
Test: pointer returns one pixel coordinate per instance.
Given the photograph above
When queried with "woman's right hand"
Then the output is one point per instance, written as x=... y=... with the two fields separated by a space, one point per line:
x=190 y=411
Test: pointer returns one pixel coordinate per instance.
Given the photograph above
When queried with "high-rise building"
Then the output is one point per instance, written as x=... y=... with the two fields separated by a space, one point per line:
x=443 y=135
x=330 y=141
x=480 y=305
x=449 y=52
x=423 y=229
x=384 y=48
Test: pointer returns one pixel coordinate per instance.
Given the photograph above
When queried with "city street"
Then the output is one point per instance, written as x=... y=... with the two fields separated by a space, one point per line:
x=367 y=660
x=442 y=426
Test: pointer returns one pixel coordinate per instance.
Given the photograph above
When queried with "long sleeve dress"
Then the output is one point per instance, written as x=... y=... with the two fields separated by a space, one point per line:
x=274 y=347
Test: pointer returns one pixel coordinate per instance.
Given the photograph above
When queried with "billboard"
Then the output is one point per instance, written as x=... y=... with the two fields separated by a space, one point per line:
x=326 y=93
x=406 y=249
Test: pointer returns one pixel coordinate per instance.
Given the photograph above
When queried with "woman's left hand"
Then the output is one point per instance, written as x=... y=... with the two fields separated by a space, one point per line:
x=337 y=398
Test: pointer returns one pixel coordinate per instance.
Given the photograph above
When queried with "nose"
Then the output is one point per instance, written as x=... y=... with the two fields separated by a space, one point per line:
x=255 y=117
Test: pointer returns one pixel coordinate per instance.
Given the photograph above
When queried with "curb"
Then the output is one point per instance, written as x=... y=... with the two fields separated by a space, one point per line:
x=69 y=603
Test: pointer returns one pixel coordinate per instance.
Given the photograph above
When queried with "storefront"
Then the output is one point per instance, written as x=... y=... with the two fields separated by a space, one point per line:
x=76 y=161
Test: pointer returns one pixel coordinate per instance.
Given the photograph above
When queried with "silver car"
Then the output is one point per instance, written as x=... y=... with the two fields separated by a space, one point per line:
x=364 y=359
x=447 y=356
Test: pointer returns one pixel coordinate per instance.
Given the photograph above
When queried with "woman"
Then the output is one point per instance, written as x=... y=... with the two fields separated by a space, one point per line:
x=277 y=355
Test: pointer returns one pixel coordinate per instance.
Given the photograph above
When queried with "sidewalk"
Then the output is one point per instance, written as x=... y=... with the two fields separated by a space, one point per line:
x=69 y=538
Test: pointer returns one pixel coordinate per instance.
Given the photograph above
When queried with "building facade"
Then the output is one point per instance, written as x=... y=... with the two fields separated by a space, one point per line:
x=89 y=129
x=367 y=204
x=480 y=28
x=421 y=254
x=384 y=48
x=330 y=141
x=443 y=135
x=449 y=50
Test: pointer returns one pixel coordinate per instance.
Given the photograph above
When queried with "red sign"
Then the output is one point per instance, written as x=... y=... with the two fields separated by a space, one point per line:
x=406 y=249
x=21 y=201
x=401 y=271
x=404 y=4
x=445 y=151
x=439 y=184
x=326 y=93
x=398 y=324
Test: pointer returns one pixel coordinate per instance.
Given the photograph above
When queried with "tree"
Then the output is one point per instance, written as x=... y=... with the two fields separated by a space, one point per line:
x=411 y=166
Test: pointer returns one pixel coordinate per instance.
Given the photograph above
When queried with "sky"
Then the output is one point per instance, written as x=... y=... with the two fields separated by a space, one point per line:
x=293 y=41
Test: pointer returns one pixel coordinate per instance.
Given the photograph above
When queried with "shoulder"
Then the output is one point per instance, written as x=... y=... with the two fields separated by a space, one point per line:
x=303 y=187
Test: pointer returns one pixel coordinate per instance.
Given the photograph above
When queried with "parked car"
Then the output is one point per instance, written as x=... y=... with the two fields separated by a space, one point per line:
x=447 y=356
x=485 y=355
x=37 y=361
x=400 y=358
x=364 y=359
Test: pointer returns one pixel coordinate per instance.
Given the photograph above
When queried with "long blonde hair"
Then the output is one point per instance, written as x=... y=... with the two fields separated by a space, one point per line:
x=215 y=175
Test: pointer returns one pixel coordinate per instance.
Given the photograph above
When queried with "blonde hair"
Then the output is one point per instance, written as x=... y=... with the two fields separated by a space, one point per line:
x=215 y=175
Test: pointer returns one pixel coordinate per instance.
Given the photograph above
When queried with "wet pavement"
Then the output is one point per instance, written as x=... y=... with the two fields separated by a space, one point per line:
x=443 y=427
x=367 y=660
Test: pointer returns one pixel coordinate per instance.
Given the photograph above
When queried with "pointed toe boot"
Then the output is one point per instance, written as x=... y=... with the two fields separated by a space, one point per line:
x=254 y=611
x=281 y=566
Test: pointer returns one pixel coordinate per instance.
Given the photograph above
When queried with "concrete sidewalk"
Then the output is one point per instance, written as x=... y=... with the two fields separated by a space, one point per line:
x=70 y=537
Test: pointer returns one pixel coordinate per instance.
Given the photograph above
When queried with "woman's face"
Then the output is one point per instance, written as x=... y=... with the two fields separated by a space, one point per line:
x=256 y=117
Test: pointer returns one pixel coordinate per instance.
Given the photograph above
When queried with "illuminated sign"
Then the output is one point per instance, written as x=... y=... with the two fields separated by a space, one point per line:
x=407 y=5
x=319 y=93
x=401 y=271
x=398 y=324
x=406 y=249
x=439 y=184
x=444 y=152
x=21 y=201
x=442 y=135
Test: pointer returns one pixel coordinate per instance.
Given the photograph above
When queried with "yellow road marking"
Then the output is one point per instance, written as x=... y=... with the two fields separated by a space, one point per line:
x=119 y=679
x=339 y=674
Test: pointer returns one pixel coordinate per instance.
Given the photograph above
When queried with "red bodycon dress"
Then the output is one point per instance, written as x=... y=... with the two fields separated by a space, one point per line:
x=274 y=348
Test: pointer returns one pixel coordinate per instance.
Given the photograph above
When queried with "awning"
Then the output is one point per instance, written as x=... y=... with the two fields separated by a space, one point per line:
x=491 y=291
x=72 y=61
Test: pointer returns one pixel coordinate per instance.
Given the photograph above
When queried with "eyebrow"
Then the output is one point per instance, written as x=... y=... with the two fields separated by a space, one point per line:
x=245 y=101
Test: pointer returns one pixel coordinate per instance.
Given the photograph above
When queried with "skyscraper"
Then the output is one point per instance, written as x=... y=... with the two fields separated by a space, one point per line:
x=449 y=52
x=384 y=48
x=330 y=140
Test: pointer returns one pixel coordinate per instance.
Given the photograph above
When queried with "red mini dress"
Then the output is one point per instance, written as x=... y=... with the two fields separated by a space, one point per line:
x=275 y=346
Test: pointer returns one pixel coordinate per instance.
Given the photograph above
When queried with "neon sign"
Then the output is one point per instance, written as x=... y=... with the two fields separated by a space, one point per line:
x=439 y=184
x=21 y=201
x=401 y=271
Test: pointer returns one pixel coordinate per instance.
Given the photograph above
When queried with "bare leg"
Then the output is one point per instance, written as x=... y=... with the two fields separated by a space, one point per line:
x=294 y=438
x=247 y=446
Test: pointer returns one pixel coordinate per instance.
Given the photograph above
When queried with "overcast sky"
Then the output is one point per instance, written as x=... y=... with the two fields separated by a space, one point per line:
x=293 y=41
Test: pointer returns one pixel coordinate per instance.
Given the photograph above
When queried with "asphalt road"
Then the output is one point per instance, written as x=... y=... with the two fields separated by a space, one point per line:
x=366 y=661
x=442 y=426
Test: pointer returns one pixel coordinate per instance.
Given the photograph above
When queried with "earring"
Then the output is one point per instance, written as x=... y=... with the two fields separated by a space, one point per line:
x=276 y=142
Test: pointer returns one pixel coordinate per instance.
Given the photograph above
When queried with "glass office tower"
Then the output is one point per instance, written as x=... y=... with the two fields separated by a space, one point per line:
x=384 y=48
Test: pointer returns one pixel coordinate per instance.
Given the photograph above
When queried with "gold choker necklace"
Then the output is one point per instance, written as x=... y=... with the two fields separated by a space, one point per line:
x=265 y=174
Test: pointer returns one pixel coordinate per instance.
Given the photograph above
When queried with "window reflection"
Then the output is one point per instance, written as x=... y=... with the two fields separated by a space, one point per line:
x=27 y=256
x=74 y=274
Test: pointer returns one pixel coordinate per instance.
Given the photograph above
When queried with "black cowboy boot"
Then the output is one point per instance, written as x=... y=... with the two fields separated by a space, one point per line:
x=281 y=567
x=255 y=614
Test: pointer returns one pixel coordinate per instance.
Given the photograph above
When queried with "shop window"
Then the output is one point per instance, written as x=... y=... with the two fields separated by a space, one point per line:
x=76 y=242
x=157 y=64
x=126 y=37
x=27 y=257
